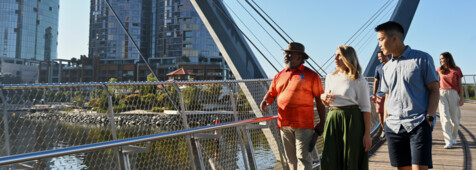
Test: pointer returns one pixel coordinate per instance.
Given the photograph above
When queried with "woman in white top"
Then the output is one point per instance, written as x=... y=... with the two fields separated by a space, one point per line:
x=347 y=128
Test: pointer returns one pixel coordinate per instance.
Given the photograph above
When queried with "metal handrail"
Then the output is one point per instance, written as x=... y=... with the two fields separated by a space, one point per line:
x=121 y=142
x=91 y=84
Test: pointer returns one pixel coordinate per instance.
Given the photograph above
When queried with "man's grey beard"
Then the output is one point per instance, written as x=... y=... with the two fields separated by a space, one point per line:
x=287 y=64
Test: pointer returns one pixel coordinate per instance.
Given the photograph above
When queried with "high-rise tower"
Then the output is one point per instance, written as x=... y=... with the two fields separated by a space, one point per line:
x=169 y=33
x=29 y=29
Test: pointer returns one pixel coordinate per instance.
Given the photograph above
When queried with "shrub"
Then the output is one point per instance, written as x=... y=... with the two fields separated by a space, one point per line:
x=158 y=109
x=68 y=109
x=132 y=98
x=123 y=108
x=93 y=102
x=148 y=101
x=191 y=98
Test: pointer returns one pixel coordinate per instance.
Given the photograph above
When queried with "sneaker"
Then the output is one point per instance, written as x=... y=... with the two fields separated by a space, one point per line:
x=454 y=141
x=448 y=146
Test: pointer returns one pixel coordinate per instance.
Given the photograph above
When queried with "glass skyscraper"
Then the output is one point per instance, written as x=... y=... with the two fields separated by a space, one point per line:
x=29 y=29
x=169 y=33
x=107 y=39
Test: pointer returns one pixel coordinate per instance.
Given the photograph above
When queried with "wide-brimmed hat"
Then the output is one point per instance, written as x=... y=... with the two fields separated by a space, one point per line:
x=296 y=47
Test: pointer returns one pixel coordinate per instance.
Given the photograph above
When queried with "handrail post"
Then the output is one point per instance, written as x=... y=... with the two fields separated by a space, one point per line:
x=279 y=143
x=466 y=94
x=194 y=151
x=5 y=121
x=474 y=85
x=112 y=122
x=239 y=131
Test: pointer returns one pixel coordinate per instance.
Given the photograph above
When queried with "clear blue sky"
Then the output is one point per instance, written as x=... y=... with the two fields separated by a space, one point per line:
x=438 y=26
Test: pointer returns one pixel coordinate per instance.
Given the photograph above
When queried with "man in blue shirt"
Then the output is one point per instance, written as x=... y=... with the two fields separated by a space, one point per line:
x=410 y=84
x=378 y=96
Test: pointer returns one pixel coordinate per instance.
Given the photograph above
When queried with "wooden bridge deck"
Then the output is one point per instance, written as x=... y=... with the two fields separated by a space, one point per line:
x=460 y=156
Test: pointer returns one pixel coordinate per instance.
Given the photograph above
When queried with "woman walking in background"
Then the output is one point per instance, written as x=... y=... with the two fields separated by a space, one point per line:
x=451 y=98
x=347 y=128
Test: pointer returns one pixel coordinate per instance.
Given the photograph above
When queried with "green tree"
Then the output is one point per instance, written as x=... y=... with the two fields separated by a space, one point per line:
x=49 y=96
x=132 y=99
x=98 y=100
x=67 y=96
x=10 y=79
x=78 y=99
x=147 y=89
x=164 y=100
x=191 y=97
x=242 y=103
x=59 y=96
x=74 y=61
x=151 y=77
x=148 y=101
x=112 y=79
x=213 y=91
x=102 y=104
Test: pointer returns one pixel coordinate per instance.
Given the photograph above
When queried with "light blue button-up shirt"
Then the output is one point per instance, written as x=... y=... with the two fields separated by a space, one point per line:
x=405 y=79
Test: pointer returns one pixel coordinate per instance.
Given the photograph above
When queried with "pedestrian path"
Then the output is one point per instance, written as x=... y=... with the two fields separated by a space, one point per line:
x=443 y=158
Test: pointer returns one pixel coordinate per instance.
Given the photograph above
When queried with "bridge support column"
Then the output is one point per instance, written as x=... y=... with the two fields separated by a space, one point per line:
x=195 y=151
x=237 y=54
x=247 y=161
x=121 y=159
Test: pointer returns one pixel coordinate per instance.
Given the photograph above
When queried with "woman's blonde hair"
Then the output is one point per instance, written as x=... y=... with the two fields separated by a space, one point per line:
x=351 y=62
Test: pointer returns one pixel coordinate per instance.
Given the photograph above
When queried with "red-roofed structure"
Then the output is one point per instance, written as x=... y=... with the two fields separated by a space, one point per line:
x=180 y=74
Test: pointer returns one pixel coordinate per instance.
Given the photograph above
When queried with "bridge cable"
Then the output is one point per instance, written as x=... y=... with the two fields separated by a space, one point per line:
x=251 y=32
x=241 y=31
x=274 y=30
x=272 y=20
x=280 y=29
x=369 y=36
x=140 y=54
x=373 y=19
x=260 y=25
x=287 y=42
x=364 y=40
x=377 y=13
x=359 y=30
x=281 y=34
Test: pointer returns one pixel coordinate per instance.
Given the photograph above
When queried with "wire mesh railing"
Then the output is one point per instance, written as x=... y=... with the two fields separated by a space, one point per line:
x=469 y=87
x=44 y=117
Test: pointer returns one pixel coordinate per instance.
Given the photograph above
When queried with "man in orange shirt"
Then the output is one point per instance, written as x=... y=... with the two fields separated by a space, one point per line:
x=296 y=87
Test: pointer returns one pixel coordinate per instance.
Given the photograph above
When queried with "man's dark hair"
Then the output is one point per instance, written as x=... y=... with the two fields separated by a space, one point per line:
x=391 y=28
x=380 y=51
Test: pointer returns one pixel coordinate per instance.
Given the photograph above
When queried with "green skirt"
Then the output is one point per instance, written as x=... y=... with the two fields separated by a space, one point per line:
x=343 y=145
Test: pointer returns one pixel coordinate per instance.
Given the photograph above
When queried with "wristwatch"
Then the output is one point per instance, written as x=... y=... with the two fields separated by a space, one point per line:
x=430 y=118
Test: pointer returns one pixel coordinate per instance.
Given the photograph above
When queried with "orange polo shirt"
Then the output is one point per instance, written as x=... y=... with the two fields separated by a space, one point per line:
x=295 y=91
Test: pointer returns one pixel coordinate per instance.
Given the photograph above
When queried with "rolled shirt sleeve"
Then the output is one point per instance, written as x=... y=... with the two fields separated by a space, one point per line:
x=384 y=83
x=317 y=89
x=272 y=92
